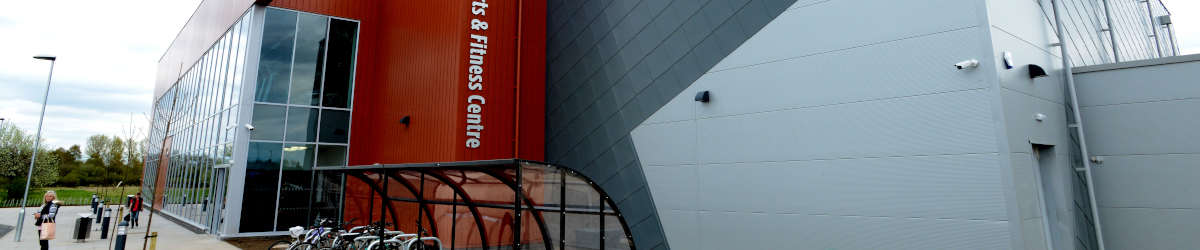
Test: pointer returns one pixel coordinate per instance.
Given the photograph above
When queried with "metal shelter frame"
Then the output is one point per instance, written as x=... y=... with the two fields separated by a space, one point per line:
x=508 y=171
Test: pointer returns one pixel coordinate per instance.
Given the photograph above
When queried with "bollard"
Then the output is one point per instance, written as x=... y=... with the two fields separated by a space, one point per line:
x=121 y=231
x=153 y=239
x=104 y=225
x=99 y=210
x=95 y=200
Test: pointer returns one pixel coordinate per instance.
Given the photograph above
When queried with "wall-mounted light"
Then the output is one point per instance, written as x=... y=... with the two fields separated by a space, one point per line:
x=1008 y=60
x=702 y=96
x=1039 y=117
x=1036 y=71
x=404 y=120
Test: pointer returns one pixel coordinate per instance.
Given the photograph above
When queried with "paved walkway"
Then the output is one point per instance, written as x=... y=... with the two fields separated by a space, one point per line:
x=170 y=235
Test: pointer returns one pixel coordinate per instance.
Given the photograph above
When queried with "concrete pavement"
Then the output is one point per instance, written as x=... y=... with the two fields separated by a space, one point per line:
x=170 y=235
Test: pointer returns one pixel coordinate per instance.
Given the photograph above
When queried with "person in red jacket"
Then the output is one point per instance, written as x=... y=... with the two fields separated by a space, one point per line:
x=135 y=208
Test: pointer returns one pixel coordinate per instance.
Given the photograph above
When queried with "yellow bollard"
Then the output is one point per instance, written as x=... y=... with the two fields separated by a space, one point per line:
x=153 y=239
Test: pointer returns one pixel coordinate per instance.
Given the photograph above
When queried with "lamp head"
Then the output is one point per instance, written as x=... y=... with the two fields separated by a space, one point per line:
x=45 y=57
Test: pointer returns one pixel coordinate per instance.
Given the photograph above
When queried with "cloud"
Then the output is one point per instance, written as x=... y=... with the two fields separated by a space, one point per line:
x=1185 y=14
x=108 y=57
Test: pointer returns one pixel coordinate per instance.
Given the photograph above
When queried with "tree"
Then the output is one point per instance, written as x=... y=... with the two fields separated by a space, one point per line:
x=114 y=153
x=16 y=151
x=96 y=148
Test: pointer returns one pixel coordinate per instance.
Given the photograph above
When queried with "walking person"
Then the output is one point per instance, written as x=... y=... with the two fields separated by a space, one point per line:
x=135 y=208
x=44 y=219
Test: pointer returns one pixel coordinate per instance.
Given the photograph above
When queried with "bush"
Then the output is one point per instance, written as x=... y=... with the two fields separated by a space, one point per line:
x=14 y=189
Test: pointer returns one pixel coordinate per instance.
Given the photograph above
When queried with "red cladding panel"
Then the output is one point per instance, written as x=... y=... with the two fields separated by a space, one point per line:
x=414 y=60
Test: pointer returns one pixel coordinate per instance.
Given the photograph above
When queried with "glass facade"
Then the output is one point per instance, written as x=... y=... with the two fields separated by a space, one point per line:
x=512 y=205
x=301 y=117
x=191 y=136
x=300 y=88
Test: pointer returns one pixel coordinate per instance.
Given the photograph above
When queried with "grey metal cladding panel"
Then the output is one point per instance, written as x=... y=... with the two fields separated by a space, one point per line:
x=666 y=144
x=1150 y=229
x=822 y=27
x=674 y=187
x=682 y=107
x=790 y=231
x=1026 y=20
x=962 y=187
x=1033 y=234
x=1028 y=201
x=1145 y=128
x=1020 y=111
x=1017 y=79
x=681 y=227
x=811 y=81
x=1144 y=84
x=938 y=124
x=580 y=77
x=646 y=228
x=1149 y=181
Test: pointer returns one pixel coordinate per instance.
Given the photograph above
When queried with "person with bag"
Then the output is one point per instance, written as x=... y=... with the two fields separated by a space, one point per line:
x=135 y=208
x=44 y=219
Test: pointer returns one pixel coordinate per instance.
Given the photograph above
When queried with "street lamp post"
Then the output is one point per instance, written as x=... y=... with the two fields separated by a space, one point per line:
x=36 y=143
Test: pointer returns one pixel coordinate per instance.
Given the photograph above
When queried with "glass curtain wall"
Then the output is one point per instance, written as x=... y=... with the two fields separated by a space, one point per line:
x=476 y=207
x=301 y=115
x=194 y=122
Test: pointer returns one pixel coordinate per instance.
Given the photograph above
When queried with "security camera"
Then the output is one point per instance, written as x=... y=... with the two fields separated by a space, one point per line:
x=968 y=63
x=249 y=127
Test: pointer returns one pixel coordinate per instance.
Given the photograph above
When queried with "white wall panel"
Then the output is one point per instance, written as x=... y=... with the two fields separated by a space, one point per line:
x=1143 y=84
x=1020 y=110
x=1024 y=20
x=791 y=231
x=1167 y=127
x=938 y=124
x=917 y=66
x=842 y=24
x=682 y=228
x=1150 y=229
x=663 y=144
x=942 y=187
x=673 y=187
x=1155 y=181
x=1017 y=79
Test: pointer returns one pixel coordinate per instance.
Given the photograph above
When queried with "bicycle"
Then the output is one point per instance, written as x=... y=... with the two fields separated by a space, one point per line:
x=316 y=238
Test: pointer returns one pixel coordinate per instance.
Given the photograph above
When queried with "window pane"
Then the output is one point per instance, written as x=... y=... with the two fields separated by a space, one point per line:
x=335 y=126
x=339 y=75
x=331 y=155
x=268 y=122
x=294 y=186
x=275 y=62
x=310 y=57
x=302 y=124
x=262 y=183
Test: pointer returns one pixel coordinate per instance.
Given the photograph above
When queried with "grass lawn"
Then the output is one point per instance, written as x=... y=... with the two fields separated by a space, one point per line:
x=84 y=193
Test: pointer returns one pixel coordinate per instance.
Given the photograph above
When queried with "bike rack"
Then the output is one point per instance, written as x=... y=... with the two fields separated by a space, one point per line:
x=423 y=239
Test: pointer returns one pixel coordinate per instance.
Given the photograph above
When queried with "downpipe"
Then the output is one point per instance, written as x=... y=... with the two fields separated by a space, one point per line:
x=1083 y=149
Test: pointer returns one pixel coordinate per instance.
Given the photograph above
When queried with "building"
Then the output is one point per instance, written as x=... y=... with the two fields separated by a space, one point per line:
x=684 y=124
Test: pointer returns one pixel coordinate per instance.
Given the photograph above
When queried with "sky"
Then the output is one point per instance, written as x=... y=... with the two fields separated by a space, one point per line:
x=108 y=54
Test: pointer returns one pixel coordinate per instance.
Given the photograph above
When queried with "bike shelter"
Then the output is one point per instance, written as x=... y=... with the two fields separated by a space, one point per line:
x=491 y=204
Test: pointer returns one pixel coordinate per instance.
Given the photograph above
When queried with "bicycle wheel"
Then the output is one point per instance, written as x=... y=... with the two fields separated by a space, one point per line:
x=303 y=246
x=280 y=245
